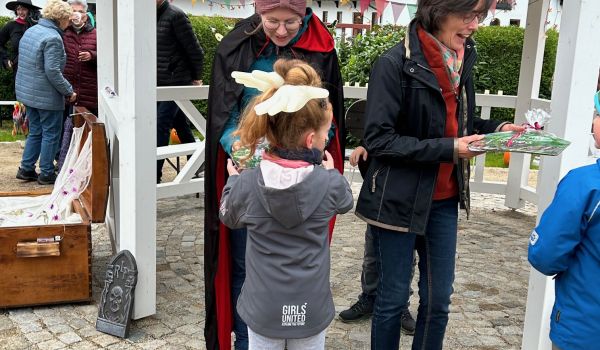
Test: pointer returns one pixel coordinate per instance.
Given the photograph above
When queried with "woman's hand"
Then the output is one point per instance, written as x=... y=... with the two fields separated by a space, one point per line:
x=231 y=169
x=236 y=145
x=84 y=56
x=512 y=127
x=328 y=161
x=358 y=152
x=463 y=143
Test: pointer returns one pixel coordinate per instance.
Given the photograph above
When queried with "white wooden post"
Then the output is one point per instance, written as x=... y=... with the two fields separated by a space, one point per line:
x=574 y=84
x=131 y=119
x=529 y=87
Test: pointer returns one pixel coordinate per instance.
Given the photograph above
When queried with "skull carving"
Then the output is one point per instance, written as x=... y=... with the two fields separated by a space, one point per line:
x=115 y=298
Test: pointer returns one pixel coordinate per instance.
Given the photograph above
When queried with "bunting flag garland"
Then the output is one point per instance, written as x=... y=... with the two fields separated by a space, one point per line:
x=243 y=3
x=412 y=10
x=380 y=5
x=364 y=5
x=193 y=3
x=493 y=7
x=397 y=10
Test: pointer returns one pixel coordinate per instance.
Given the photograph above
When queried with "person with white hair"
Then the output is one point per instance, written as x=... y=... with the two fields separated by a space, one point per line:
x=80 y=47
x=42 y=88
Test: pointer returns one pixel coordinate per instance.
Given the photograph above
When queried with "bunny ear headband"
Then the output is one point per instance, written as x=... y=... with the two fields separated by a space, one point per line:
x=287 y=98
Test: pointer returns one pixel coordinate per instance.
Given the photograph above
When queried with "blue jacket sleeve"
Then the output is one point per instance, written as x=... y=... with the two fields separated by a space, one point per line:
x=53 y=52
x=553 y=242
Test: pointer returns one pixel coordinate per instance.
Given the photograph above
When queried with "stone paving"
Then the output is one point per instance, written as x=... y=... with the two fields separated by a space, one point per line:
x=487 y=310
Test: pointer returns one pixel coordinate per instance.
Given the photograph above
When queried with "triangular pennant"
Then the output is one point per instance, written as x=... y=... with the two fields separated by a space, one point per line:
x=397 y=10
x=493 y=7
x=193 y=2
x=380 y=6
x=243 y=3
x=364 y=5
x=227 y=2
x=412 y=10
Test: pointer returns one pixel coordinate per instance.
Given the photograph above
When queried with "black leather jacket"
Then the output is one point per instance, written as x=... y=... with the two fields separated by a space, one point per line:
x=180 y=57
x=404 y=135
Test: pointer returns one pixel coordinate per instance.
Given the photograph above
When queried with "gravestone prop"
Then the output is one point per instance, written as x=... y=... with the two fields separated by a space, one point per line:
x=116 y=302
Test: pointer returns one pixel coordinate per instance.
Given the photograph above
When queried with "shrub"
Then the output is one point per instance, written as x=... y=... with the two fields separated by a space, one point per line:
x=206 y=28
x=7 y=90
x=499 y=62
x=357 y=55
x=498 y=65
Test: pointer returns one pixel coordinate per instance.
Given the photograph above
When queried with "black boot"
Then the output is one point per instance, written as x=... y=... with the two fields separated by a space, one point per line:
x=408 y=323
x=362 y=309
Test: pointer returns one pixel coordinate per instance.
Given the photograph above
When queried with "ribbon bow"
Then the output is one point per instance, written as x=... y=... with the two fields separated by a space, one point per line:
x=287 y=98
x=536 y=119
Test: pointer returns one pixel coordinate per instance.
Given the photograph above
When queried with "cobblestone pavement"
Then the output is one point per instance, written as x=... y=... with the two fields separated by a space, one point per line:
x=487 y=310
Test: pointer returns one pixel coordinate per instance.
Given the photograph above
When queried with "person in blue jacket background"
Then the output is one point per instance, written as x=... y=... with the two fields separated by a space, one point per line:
x=566 y=243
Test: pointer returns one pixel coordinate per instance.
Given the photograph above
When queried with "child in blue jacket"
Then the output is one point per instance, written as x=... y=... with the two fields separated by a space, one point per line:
x=566 y=243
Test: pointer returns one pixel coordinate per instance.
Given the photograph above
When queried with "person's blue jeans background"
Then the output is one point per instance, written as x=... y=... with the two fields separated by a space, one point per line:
x=169 y=116
x=238 y=275
x=436 y=251
x=42 y=142
x=369 y=276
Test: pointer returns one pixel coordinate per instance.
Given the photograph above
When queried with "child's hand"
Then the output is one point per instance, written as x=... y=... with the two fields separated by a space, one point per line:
x=328 y=161
x=231 y=169
x=358 y=152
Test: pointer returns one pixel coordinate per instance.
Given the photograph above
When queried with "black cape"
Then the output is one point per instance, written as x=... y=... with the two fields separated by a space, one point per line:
x=237 y=52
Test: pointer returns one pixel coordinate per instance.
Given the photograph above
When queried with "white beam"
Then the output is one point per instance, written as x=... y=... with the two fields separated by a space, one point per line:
x=128 y=72
x=529 y=87
x=574 y=84
x=171 y=93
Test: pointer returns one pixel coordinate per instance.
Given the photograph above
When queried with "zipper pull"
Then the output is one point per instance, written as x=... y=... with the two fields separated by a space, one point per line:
x=373 y=181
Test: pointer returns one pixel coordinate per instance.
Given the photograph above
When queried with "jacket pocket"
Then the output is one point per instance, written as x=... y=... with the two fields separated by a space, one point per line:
x=378 y=173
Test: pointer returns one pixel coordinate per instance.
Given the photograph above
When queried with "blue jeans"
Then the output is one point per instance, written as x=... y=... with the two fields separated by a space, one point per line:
x=169 y=116
x=238 y=275
x=369 y=277
x=42 y=142
x=436 y=251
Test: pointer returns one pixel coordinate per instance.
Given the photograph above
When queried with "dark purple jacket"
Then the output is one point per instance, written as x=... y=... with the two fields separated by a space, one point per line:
x=82 y=75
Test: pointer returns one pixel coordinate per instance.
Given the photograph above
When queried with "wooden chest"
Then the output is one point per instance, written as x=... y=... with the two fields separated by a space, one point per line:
x=37 y=270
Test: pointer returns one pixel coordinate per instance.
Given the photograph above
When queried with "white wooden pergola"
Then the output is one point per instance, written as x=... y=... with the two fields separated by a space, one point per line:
x=128 y=92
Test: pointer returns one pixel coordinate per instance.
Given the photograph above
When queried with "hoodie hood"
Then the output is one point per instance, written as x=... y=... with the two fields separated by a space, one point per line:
x=291 y=206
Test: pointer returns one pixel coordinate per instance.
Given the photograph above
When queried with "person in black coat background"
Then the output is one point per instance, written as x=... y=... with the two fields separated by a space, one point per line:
x=27 y=15
x=179 y=62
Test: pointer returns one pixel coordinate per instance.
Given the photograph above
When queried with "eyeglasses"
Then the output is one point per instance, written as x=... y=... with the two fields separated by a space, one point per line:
x=481 y=17
x=290 y=25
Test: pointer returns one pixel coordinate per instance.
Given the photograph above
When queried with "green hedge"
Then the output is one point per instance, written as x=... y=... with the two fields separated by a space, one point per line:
x=499 y=59
x=205 y=29
x=498 y=65
x=7 y=91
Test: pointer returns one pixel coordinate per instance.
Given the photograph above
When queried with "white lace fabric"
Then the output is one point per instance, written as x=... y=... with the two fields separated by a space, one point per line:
x=55 y=208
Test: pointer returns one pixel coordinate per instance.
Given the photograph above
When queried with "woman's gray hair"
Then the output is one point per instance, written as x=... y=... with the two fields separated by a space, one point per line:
x=79 y=2
x=431 y=13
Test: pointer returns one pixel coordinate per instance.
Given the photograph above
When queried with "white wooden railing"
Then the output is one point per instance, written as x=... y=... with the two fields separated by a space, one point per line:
x=185 y=183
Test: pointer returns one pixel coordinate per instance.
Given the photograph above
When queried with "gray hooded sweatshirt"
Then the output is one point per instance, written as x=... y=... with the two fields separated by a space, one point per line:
x=286 y=293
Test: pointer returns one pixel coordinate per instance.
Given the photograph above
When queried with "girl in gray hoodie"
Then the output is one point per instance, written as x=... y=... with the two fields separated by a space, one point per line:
x=286 y=204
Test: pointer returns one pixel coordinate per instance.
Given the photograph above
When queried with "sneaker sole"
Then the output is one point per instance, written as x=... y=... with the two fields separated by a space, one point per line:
x=41 y=182
x=26 y=178
x=356 y=320
x=407 y=332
